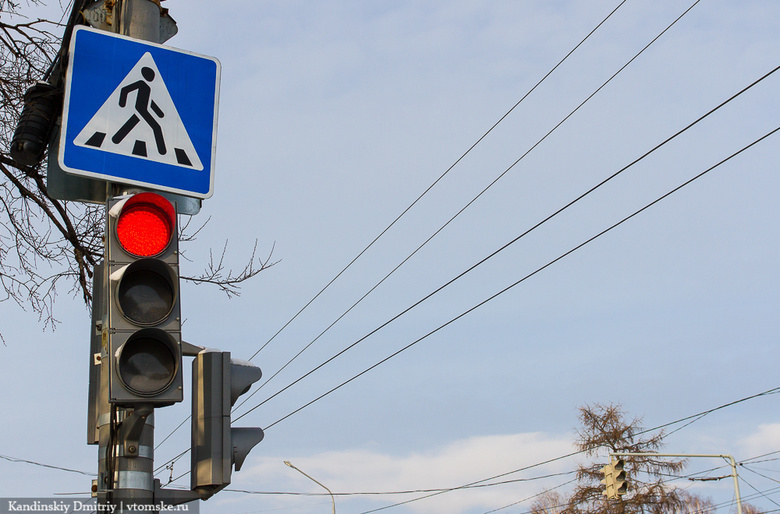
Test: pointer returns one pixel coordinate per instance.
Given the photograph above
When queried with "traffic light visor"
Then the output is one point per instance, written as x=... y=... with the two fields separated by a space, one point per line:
x=146 y=224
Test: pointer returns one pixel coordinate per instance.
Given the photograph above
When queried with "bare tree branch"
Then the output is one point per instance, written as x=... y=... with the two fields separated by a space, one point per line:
x=229 y=281
x=45 y=242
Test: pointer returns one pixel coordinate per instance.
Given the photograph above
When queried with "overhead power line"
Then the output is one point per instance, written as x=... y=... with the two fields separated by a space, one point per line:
x=435 y=182
x=403 y=213
x=518 y=238
x=500 y=176
x=408 y=491
x=696 y=416
x=492 y=479
x=526 y=277
x=49 y=466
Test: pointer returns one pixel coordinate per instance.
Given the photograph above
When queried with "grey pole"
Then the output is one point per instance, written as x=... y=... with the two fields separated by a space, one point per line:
x=126 y=436
x=134 y=459
x=140 y=19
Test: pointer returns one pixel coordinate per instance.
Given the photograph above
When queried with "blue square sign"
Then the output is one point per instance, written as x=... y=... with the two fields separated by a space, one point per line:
x=140 y=113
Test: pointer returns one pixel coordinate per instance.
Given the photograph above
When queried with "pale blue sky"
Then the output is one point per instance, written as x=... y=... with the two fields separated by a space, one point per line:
x=334 y=117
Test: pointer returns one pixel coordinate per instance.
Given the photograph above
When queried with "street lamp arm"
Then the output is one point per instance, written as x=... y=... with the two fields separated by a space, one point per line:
x=332 y=498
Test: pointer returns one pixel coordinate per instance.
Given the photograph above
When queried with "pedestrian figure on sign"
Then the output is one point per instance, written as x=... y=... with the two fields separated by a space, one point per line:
x=143 y=102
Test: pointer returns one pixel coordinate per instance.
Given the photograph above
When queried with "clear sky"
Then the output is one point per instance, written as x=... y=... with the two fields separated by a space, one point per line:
x=334 y=117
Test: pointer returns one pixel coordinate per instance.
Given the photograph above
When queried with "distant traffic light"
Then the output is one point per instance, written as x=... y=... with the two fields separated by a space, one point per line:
x=619 y=477
x=217 y=382
x=144 y=309
x=615 y=483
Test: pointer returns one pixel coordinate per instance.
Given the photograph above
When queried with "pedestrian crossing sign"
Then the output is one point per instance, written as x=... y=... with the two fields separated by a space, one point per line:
x=140 y=113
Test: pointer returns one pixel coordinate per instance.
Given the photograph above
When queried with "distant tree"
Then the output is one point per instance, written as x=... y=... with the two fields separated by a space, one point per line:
x=750 y=509
x=693 y=504
x=45 y=241
x=549 y=503
x=603 y=429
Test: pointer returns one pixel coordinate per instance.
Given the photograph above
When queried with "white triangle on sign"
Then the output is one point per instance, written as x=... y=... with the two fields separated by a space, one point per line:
x=139 y=119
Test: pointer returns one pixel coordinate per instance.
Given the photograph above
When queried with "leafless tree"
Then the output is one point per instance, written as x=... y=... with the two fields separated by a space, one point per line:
x=604 y=429
x=693 y=504
x=46 y=243
x=549 y=503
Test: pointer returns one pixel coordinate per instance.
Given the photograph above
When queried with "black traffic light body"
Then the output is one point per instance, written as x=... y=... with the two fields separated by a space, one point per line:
x=144 y=308
x=42 y=105
x=217 y=382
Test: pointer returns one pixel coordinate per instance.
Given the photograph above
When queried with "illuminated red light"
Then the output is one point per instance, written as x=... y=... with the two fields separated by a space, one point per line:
x=146 y=224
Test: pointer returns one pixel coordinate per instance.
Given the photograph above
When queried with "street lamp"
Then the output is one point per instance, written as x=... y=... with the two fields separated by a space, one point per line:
x=333 y=499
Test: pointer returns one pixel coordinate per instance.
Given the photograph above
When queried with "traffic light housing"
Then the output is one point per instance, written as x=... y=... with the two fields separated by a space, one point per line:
x=619 y=477
x=615 y=482
x=217 y=382
x=144 y=309
x=42 y=105
x=608 y=481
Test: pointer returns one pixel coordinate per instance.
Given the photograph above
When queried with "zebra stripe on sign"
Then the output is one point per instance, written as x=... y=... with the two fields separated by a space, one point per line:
x=139 y=119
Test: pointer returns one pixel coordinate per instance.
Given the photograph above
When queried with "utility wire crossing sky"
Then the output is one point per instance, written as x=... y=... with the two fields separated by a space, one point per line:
x=409 y=164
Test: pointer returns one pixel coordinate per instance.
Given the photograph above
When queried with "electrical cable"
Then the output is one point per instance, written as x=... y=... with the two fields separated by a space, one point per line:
x=742 y=465
x=409 y=491
x=528 y=231
x=732 y=502
x=171 y=461
x=439 y=178
x=42 y=465
x=485 y=190
x=696 y=417
x=700 y=415
x=609 y=178
x=457 y=214
x=417 y=491
x=569 y=252
x=550 y=72
x=73 y=20
x=173 y=431
x=762 y=494
x=542 y=493
x=762 y=456
x=244 y=400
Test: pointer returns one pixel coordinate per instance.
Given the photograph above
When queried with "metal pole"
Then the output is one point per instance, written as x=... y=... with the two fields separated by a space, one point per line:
x=140 y=19
x=687 y=455
x=126 y=436
x=332 y=498
x=134 y=460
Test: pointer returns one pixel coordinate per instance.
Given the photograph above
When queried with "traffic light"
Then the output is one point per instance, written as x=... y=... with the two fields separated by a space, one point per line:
x=608 y=481
x=217 y=382
x=619 y=477
x=144 y=310
x=42 y=105
x=615 y=483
